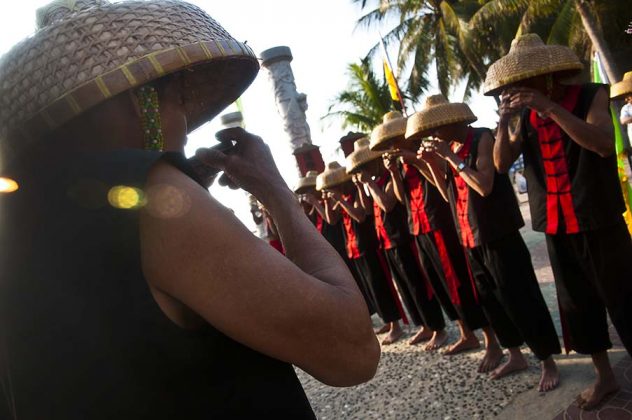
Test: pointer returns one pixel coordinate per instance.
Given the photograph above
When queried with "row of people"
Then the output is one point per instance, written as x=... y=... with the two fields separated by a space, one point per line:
x=461 y=252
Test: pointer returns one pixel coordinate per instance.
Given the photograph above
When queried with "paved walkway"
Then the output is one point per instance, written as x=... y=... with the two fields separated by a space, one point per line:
x=413 y=384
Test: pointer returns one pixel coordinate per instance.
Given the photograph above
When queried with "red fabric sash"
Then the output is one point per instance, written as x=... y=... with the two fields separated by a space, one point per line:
x=351 y=239
x=558 y=183
x=382 y=235
x=319 y=222
x=451 y=278
x=418 y=214
x=463 y=193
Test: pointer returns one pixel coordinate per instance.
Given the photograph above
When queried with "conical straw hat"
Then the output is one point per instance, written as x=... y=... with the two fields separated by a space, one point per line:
x=361 y=155
x=87 y=51
x=623 y=88
x=383 y=136
x=437 y=112
x=306 y=183
x=529 y=57
x=332 y=176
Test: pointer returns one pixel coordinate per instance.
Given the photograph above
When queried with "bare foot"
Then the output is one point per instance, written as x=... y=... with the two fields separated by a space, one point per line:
x=424 y=334
x=394 y=334
x=383 y=329
x=492 y=358
x=550 y=378
x=596 y=394
x=438 y=339
x=464 y=344
x=516 y=363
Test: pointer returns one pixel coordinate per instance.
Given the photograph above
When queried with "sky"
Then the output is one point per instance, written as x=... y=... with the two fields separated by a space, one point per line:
x=324 y=40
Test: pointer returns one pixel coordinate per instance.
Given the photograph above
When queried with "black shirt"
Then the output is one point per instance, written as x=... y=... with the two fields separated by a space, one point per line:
x=85 y=338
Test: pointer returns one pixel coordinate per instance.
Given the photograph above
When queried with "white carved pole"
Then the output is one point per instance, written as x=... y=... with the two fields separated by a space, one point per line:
x=291 y=106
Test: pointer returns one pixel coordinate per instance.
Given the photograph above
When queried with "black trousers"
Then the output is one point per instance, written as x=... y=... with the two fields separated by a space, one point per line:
x=405 y=269
x=446 y=255
x=593 y=272
x=435 y=279
x=512 y=299
x=371 y=271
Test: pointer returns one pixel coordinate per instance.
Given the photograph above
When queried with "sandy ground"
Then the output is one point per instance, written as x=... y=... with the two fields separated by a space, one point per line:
x=414 y=384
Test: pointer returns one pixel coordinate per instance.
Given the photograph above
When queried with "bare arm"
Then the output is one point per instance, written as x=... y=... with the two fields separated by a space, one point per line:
x=385 y=199
x=436 y=168
x=508 y=144
x=412 y=159
x=480 y=179
x=353 y=209
x=302 y=310
x=595 y=134
x=361 y=196
x=390 y=161
x=332 y=212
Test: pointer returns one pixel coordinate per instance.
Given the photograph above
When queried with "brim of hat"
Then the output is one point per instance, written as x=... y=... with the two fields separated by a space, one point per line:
x=302 y=189
x=495 y=87
x=415 y=129
x=230 y=66
x=334 y=183
x=355 y=161
x=384 y=144
x=621 y=89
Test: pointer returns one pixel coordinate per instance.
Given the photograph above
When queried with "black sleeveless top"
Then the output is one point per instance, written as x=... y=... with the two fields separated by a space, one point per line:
x=84 y=338
x=488 y=218
x=595 y=192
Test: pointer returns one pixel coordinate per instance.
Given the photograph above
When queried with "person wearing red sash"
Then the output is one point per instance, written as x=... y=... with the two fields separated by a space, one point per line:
x=566 y=135
x=488 y=219
x=306 y=193
x=398 y=246
x=431 y=225
x=362 y=247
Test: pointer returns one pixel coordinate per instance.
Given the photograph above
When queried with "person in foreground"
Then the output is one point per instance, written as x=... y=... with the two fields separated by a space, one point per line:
x=127 y=290
x=566 y=135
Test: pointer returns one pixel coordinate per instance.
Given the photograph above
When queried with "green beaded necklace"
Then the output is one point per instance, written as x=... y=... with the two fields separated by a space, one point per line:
x=150 y=118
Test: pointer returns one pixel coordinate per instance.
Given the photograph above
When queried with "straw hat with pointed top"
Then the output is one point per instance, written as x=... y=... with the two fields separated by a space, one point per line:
x=384 y=135
x=306 y=183
x=332 y=176
x=87 y=51
x=529 y=57
x=437 y=112
x=623 y=88
x=361 y=155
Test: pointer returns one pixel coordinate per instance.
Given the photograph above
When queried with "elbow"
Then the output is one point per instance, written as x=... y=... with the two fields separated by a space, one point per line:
x=606 y=151
x=501 y=166
x=486 y=190
x=359 y=368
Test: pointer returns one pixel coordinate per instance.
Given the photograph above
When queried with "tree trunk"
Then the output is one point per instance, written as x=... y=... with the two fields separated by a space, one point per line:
x=593 y=30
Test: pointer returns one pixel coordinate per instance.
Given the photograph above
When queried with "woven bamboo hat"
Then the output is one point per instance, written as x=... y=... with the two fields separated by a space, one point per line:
x=332 y=176
x=306 y=183
x=392 y=128
x=623 y=88
x=361 y=154
x=529 y=57
x=437 y=112
x=86 y=51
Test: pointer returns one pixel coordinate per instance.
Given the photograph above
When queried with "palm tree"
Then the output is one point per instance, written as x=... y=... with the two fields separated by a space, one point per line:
x=364 y=103
x=576 y=23
x=430 y=33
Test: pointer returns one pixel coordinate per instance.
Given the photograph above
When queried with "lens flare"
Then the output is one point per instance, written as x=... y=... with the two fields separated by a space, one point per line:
x=124 y=197
x=7 y=185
